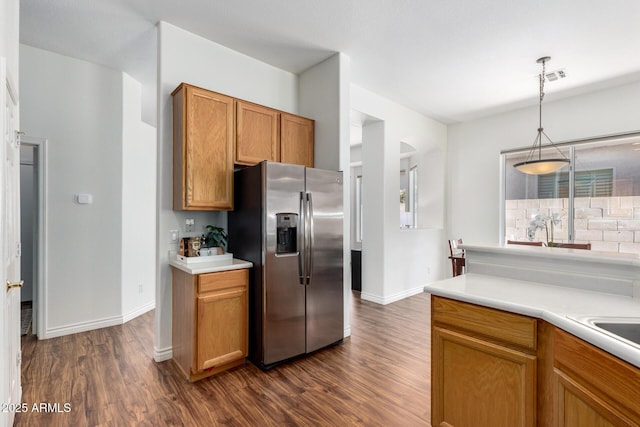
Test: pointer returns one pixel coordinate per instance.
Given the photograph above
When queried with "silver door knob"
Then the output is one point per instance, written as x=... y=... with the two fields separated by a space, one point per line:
x=14 y=284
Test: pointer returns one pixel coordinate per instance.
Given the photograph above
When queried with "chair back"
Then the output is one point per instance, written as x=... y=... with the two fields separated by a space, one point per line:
x=456 y=255
x=517 y=242
x=453 y=247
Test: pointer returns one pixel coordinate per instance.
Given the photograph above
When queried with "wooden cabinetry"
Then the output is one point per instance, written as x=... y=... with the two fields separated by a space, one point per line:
x=203 y=147
x=296 y=140
x=267 y=134
x=493 y=368
x=257 y=134
x=593 y=388
x=210 y=321
x=483 y=369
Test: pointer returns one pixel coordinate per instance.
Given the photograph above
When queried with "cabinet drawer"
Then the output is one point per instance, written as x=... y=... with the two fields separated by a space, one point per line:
x=222 y=280
x=502 y=326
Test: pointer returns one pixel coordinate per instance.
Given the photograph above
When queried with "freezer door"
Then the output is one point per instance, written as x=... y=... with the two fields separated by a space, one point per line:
x=283 y=325
x=325 y=289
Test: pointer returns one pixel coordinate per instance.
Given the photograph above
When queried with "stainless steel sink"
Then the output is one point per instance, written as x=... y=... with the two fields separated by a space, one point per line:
x=629 y=331
x=625 y=329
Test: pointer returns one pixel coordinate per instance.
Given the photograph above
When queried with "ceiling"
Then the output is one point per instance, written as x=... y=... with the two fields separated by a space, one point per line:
x=452 y=60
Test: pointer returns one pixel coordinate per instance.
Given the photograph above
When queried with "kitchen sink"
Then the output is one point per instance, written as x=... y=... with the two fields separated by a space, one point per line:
x=625 y=329
x=629 y=331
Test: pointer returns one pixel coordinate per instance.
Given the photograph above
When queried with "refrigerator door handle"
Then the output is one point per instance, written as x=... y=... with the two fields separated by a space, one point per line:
x=302 y=252
x=311 y=239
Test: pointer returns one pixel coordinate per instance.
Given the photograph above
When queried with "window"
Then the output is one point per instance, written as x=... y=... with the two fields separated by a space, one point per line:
x=595 y=200
x=597 y=183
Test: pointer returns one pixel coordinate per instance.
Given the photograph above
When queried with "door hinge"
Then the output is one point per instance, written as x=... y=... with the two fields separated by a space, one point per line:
x=18 y=250
x=19 y=133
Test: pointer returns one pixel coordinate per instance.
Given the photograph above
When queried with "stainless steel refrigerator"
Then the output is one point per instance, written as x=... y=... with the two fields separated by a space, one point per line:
x=287 y=220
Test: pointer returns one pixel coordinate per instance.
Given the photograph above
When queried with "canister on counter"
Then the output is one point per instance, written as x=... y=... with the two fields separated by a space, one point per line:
x=194 y=246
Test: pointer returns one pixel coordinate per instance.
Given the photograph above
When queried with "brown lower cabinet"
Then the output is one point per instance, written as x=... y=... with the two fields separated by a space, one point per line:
x=210 y=321
x=494 y=368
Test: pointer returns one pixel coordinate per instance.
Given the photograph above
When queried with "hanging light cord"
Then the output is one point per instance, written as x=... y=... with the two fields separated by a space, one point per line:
x=537 y=142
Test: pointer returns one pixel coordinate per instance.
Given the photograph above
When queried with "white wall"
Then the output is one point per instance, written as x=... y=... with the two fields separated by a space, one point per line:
x=78 y=107
x=473 y=157
x=324 y=96
x=138 y=254
x=186 y=57
x=397 y=263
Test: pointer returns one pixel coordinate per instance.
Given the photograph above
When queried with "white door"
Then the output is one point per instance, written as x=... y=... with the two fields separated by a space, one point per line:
x=10 y=387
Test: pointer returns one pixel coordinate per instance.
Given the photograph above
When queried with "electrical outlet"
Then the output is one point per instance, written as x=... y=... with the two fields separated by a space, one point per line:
x=189 y=225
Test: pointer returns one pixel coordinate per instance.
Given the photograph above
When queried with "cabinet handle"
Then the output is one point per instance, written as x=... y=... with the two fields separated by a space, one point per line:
x=14 y=284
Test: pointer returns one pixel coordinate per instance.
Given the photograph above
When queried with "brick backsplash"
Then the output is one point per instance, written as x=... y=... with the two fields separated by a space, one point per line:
x=610 y=224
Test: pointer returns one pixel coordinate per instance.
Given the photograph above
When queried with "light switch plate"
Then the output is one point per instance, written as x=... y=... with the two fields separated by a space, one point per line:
x=189 y=225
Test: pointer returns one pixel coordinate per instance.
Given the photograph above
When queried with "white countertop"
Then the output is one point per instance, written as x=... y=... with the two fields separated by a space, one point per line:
x=211 y=267
x=631 y=259
x=554 y=304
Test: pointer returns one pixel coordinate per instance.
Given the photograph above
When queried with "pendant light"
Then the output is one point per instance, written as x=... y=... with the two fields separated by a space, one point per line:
x=534 y=164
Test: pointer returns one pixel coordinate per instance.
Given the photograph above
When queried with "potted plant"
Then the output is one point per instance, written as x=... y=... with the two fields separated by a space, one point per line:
x=216 y=237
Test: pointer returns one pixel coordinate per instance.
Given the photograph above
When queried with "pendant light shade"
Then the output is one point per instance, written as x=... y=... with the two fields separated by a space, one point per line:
x=541 y=167
x=534 y=164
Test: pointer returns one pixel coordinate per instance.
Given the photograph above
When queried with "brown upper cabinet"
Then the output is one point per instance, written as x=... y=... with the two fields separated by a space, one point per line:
x=296 y=140
x=212 y=132
x=203 y=147
x=257 y=134
x=263 y=133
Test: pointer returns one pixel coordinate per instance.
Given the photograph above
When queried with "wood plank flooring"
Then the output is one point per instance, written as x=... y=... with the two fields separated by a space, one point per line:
x=377 y=377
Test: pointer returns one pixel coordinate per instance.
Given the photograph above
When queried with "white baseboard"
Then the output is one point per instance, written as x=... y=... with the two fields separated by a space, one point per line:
x=90 y=325
x=347 y=332
x=139 y=311
x=162 y=354
x=80 y=327
x=392 y=298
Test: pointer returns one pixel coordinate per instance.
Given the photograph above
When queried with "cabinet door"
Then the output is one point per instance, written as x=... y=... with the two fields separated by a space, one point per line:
x=222 y=328
x=203 y=150
x=257 y=134
x=578 y=407
x=479 y=383
x=296 y=140
x=593 y=387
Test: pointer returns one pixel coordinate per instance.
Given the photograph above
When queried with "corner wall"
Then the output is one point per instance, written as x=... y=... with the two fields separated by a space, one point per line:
x=324 y=96
x=398 y=263
x=77 y=106
x=473 y=151
x=138 y=205
x=88 y=113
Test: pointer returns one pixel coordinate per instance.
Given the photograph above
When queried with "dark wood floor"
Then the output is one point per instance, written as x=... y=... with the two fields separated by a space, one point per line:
x=377 y=377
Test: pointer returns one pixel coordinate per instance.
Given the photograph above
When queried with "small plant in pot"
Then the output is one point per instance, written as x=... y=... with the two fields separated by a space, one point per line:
x=216 y=237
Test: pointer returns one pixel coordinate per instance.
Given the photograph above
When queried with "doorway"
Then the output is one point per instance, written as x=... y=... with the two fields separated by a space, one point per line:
x=32 y=233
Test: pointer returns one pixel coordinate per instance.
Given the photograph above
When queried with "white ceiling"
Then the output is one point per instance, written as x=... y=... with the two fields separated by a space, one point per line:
x=452 y=60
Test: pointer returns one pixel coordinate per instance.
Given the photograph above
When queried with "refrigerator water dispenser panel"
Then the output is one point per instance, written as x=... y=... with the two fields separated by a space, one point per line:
x=287 y=233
